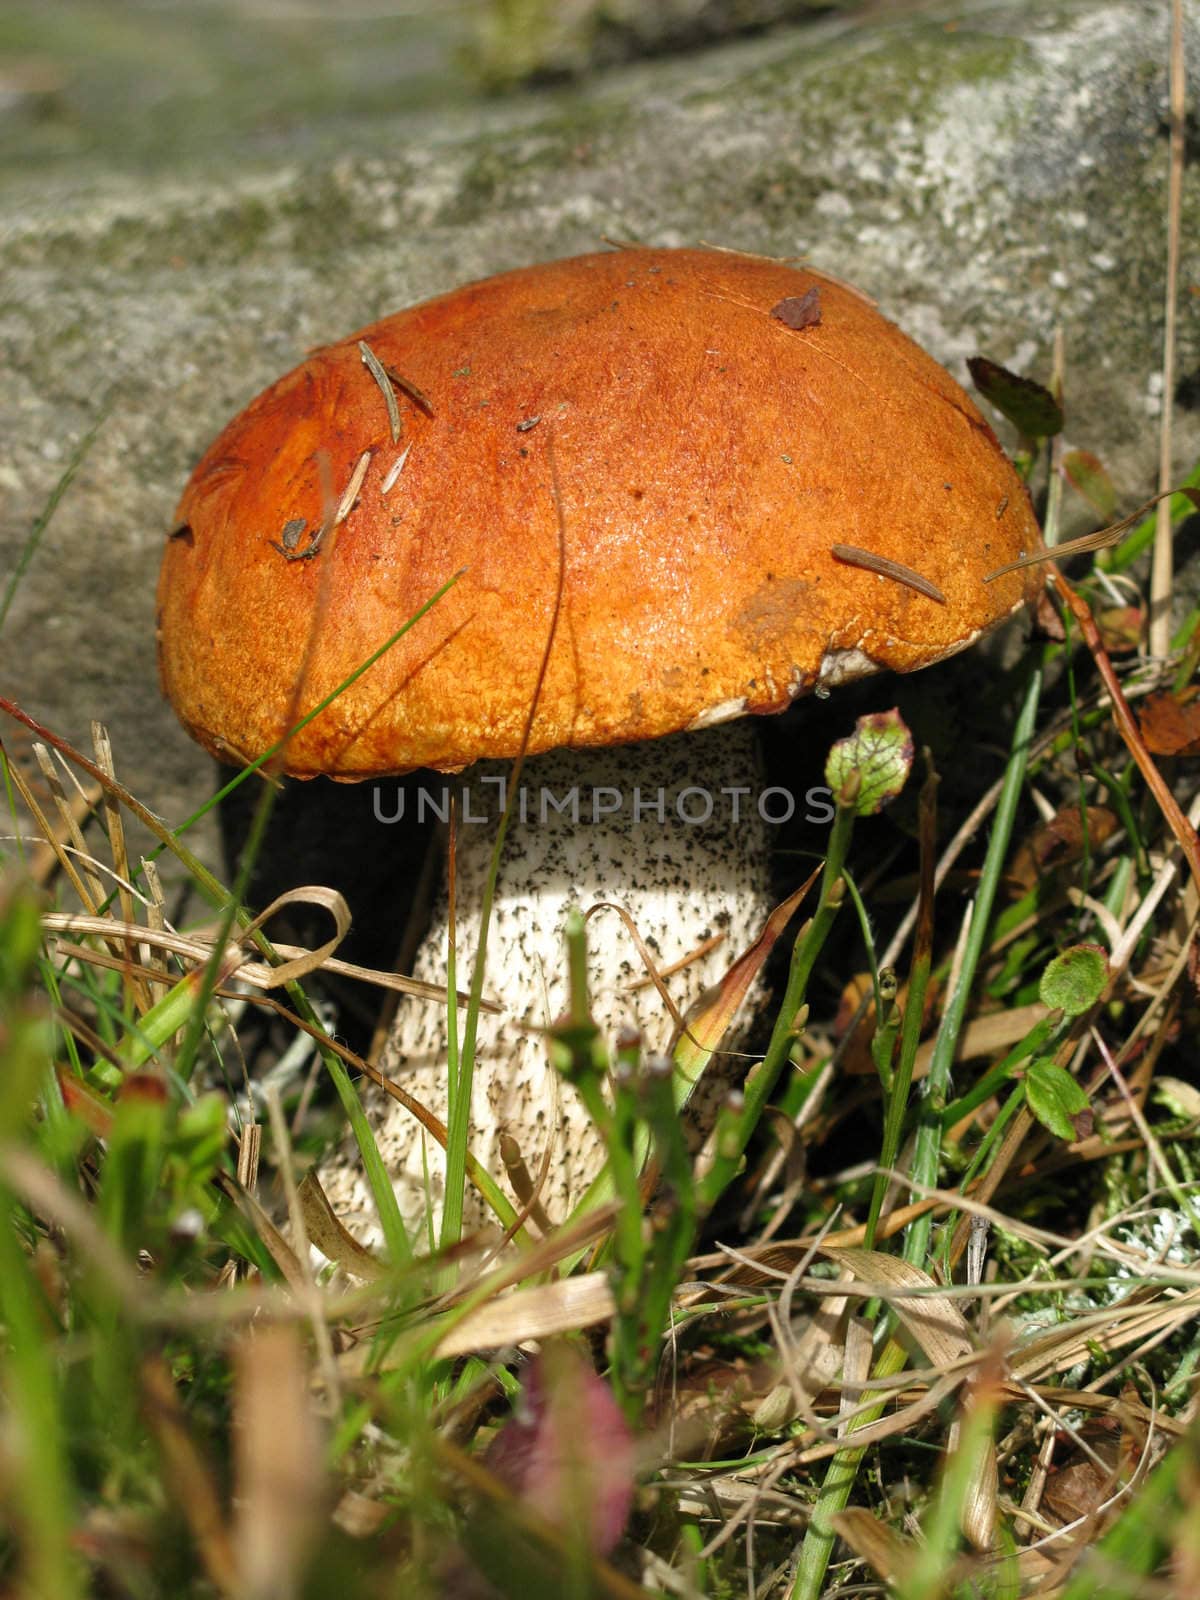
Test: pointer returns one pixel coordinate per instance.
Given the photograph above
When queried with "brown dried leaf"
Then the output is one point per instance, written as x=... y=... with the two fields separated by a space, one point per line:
x=888 y=1554
x=330 y=1236
x=1077 y=1490
x=1084 y=1123
x=799 y=310
x=1080 y=1483
x=1060 y=841
x=1169 y=727
x=1121 y=628
x=930 y=1318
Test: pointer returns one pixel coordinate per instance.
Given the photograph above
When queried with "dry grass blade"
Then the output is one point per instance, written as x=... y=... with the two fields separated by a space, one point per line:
x=281 y=1252
x=533 y=1312
x=236 y=964
x=931 y=1318
x=375 y=367
x=114 y=823
x=72 y=814
x=300 y=967
x=328 y=1235
x=1102 y=539
x=156 y=911
x=313 y=1302
x=645 y=955
x=1129 y=730
x=279 y=1467
x=886 y=1552
x=1162 y=570
x=47 y=830
x=249 y=1155
x=1110 y=1329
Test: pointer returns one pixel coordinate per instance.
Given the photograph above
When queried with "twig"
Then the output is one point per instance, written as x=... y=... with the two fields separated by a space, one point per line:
x=1162 y=573
x=1128 y=728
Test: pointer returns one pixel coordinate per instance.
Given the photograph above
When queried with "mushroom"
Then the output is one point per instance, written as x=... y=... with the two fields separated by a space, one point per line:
x=679 y=487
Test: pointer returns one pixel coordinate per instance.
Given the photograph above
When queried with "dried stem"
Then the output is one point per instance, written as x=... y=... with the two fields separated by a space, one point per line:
x=1162 y=574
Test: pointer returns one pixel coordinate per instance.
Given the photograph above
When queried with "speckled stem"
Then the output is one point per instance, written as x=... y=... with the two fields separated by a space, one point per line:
x=597 y=826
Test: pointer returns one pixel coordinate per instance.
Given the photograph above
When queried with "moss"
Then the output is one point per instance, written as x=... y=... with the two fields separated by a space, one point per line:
x=578 y=136
x=886 y=74
x=522 y=42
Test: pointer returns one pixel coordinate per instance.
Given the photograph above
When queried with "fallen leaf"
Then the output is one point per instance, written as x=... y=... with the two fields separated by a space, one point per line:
x=933 y=1320
x=1060 y=841
x=1079 y=1484
x=1169 y=727
x=567 y=1452
x=888 y=1553
x=799 y=310
x=330 y=1236
x=1121 y=628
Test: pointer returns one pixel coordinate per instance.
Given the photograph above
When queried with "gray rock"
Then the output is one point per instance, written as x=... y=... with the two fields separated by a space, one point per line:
x=529 y=41
x=988 y=172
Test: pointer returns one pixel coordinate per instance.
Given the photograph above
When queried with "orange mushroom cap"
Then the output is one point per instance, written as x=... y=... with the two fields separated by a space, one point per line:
x=719 y=423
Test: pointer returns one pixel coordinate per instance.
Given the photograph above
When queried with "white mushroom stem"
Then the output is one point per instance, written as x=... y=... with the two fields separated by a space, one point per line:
x=672 y=831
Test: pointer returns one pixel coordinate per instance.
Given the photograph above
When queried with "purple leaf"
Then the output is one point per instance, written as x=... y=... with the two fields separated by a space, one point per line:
x=568 y=1452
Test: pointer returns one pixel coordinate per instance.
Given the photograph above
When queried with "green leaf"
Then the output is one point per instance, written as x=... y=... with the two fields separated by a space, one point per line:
x=1054 y=1098
x=1088 y=475
x=197 y=1142
x=1180 y=1097
x=1074 y=980
x=1032 y=409
x=135 y=1148
x=871 y=767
